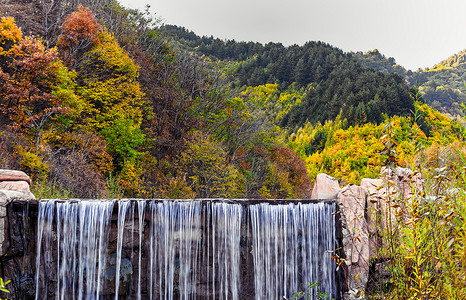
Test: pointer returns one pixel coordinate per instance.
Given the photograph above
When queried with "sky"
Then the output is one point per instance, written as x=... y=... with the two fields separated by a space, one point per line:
x=417 y=33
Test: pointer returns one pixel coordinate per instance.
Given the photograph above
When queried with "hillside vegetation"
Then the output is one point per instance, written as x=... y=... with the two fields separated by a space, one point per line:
x=95 y=102
x=335 y=82
x=126 y=107
x=442 y=86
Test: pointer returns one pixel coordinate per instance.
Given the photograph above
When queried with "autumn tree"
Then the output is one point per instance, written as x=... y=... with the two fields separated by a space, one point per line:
x=204 y=165
x=78 y=34
x=37 y=101
x=34 y=84
x=107 y=83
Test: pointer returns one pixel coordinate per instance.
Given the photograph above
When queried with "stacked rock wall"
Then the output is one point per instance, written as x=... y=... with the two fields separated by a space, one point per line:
x=13 y=185
x=365 y=212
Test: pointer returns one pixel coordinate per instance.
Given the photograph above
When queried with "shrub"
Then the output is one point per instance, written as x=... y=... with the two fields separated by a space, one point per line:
x=424 y=248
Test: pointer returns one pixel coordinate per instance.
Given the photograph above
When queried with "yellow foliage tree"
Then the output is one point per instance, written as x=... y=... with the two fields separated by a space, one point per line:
x=107 y=83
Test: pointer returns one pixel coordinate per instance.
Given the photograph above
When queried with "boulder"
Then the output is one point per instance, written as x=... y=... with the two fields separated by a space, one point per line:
x=376 y=210
x=384 y=196
x=371 y=186
x=14 y=175
x=18 y=186
x=403 y=172
x=13 y=185
x=383 y=207
x=8 y=195
x=368 y=214
x=373 y=189
x=405 y=180
x=325 y=187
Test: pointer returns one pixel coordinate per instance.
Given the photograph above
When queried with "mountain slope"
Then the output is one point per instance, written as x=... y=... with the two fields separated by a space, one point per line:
x=441 y=86
x=376 y=60
x=339 y=82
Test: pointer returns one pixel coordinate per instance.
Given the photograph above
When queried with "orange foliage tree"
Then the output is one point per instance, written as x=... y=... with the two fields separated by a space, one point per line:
x=34 y=84
x=79 y=33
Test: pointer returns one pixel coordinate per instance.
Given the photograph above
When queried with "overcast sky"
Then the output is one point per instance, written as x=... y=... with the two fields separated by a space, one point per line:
x=417 y=33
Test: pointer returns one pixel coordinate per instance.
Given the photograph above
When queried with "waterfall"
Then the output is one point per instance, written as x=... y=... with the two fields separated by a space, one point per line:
x=45 y=217
x=175 y=230
x=81 y=247
x=197 y=249
x=289 y=253
x=226 y=234
x=122 y=209
x=141 y=210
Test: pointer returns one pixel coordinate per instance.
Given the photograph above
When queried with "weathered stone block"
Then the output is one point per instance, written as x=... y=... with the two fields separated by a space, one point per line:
x=325 y=187
x=14 y=175
x=7 y=195
x=373 y=188
x=20 y=186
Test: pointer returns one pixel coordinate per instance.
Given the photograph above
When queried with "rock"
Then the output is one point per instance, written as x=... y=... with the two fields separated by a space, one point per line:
x=382 y=208
x=375 y=193
x=398 y=187
x=11 y=195
x=353 y=295
x=14 y=175
x=368 y=214
x=352 y=203
x=373 y=189
x=404 y=173
x=387 y=198
x=25 y=286
x=14 y=185
x=371 y=185
x=7 y=195
x=325 y=187
x=126 y=270
x=405 y=180
x=10 y=190
x=19 y=186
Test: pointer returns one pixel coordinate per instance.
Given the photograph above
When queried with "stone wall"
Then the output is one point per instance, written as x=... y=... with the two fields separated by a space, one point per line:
x=365 y=212
x=13 y=185
x=21 y=263
x=18 y=234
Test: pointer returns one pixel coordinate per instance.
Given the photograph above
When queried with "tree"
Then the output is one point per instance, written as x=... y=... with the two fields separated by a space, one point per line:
x=204 y=163
x=34 y=84
x=107 y=84
x=78 y=34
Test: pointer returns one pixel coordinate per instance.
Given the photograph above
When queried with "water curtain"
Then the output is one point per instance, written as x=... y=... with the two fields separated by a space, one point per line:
x=199 y=249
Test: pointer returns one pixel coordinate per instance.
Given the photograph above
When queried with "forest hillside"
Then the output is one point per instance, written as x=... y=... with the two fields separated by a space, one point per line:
x=101 y=100
x=442 y=85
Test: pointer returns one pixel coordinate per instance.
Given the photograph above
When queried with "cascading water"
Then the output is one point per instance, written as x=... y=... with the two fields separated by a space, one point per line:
x=226 y=234
x=79 y=256
x=141 y=208
x=200 y=249
x=122 y=210
x=289 y=253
